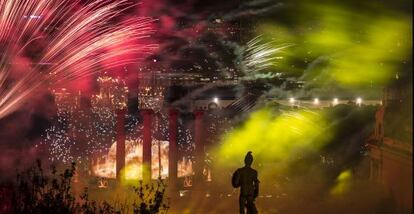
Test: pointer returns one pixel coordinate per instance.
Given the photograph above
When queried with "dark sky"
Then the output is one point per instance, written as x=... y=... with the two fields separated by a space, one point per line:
x=194 y=37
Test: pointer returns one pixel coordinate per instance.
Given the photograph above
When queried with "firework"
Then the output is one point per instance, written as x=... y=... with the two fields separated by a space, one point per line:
x=251 y=59
x=258 y=55
x=105 y=166
x=90 y=136
x=75 y=39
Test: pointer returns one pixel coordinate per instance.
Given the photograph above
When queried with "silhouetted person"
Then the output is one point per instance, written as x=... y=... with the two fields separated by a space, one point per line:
x=246 y=179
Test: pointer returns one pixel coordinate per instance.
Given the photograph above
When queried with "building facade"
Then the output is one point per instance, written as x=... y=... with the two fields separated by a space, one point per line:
x=390 y=146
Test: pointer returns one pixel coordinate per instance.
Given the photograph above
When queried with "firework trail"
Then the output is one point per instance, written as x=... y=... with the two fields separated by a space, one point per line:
x=249 y=9
x=258 y=55
x=76 y=39
x=252 y=58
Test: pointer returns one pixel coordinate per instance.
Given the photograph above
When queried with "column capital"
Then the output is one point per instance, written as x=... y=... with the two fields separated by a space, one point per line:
x=121 y=111
x=147 y=111
x=173 y=112
x=198 y=113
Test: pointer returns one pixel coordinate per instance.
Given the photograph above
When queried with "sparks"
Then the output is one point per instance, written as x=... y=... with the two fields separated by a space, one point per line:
x=259 y=55
x=77 y=40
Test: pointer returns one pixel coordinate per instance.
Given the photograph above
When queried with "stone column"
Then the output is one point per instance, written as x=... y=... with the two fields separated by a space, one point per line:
x=199 y=148
x=173 y=149
x=120 y=142
x=147 y=144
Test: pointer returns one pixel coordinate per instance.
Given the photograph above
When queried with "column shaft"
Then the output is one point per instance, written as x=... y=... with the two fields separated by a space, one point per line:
x=147 y=144
x=173 y=148
x=199 y=147
x=120 y=142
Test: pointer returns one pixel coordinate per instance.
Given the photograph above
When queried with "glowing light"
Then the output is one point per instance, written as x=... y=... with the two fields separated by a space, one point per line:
x=335 y=101
x=291 y=100
x=342 y=182
x=316 y=101
x=188 y=182
x=359 y=101
x=103 y=183
x=215 y=99
x=106 y=165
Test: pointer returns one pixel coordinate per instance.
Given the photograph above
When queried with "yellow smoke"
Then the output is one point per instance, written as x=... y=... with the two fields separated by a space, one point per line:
x=359 y=48
x=342 y=183
x=274 y=137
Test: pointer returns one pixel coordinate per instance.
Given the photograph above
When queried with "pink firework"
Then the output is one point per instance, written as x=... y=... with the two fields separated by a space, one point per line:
x=45 y=42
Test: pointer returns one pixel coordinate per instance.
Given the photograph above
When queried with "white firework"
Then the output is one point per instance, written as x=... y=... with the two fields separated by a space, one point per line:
x=259 y=55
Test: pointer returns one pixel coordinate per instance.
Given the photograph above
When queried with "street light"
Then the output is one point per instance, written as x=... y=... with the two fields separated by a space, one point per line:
x=215 y=99
x=335 y=101
x=359 y=101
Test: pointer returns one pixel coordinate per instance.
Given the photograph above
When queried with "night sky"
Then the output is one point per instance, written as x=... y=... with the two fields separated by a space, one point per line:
x=194 y=36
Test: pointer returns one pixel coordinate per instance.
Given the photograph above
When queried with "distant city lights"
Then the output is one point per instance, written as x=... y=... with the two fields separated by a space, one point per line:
x=317 y=102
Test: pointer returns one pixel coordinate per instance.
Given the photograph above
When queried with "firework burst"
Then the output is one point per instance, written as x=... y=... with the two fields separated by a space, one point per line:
x=71 y=40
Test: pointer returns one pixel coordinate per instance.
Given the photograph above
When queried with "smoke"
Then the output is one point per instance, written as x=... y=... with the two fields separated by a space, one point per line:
x=251 y=9
x=308 y=161
x=356 y=62
x=18 y=159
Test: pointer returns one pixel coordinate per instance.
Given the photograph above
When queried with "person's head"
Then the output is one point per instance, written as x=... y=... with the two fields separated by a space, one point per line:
x=248 y=160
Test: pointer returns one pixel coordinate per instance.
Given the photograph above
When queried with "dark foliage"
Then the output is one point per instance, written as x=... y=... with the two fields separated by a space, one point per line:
x=36 y=191
x=151 y=198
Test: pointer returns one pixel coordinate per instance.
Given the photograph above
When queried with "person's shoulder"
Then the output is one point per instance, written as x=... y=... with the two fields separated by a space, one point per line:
x=248 y=169
x=253 y=170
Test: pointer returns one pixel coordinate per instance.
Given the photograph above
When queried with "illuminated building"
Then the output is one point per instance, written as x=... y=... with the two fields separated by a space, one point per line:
x=390 y=146
x=79 y=132
x=66 y=101
x=105 y=165
x=100 y=130
x=151 y=92
x=113 y=94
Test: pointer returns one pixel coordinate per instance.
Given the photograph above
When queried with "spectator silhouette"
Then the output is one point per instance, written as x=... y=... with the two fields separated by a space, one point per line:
x=246 y=179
